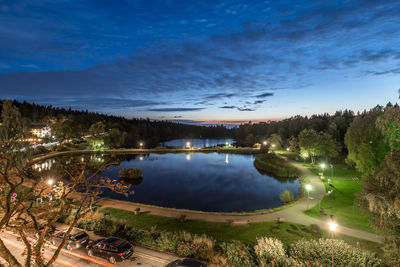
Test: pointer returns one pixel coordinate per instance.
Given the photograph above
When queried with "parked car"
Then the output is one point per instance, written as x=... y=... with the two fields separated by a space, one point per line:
x=186 y=262
x=76 y=239
x=113 y=249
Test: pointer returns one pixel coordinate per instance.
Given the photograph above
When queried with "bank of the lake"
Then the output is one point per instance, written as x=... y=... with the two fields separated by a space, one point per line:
x=211 y=182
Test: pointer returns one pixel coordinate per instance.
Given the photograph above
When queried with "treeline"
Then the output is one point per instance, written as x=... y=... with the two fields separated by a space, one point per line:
x=68 y=123
x=336 y=125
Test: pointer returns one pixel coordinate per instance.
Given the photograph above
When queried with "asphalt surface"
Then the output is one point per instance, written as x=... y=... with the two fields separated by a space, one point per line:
x=79 y=258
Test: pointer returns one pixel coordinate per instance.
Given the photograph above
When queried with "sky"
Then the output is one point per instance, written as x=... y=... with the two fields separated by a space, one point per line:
x=201 y=61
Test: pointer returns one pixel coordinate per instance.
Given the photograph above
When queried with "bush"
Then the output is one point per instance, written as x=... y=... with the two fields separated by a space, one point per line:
x=105 y=227
x=237 y=254
x=270 y=251
x=167 y=241
x=286 y=196
x=86 y=225
x=131 y=173
x=318 y=253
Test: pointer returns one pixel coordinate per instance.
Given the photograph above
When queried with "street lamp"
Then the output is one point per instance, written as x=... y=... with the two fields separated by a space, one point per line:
x=332 y=227
x=288 y=149
x=265 y=143
x=50 y=182
x=188 y=144
x=308 y=188
x=141 y=145
x=323 y=165
x=273 y=145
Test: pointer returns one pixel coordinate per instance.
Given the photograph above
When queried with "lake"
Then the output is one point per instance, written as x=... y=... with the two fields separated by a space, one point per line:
x=197 y=142
x=198 y=181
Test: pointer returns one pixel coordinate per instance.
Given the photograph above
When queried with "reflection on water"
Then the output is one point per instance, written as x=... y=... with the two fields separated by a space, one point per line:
x=198 y=181
x=197 y=143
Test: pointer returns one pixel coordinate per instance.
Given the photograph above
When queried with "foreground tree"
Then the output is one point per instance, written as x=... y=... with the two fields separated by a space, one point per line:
x=365 y=142
x=381 y=196
x=25 y=206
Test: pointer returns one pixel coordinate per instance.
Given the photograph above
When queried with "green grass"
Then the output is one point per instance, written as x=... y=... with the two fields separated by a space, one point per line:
x=220 y=231
x=341 y=170
x=225 y=232
x=289 y=154
x=341 y=204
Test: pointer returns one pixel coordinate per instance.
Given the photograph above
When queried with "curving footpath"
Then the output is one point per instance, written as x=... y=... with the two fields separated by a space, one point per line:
x=293 y=213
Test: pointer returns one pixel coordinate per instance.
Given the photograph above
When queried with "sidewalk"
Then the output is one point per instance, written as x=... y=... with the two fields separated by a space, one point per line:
x=292 y=213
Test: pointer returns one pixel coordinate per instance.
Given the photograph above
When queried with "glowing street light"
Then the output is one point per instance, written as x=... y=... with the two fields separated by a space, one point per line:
x=188 y=144
x=141 y=145
x=50 y=182
x=273 y=145
x=332 y=227
x=323 y=165
x=288 y=149
x=265 y=143
x=308 y=188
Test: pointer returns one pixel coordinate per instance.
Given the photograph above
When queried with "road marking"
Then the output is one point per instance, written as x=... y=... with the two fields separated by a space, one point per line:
x=151 y=257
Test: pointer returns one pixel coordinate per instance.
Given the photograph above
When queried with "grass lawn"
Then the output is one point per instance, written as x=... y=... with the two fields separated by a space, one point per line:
x=220 y=231
x=341 y=204
x=339 y=170
x=224 y=231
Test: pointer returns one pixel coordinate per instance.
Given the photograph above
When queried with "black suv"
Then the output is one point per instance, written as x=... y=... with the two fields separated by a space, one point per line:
x=76 y=239
x=114 y=249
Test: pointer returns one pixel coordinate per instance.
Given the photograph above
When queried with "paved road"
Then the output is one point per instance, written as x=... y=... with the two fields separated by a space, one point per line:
x=78 y=258
x=293 y=213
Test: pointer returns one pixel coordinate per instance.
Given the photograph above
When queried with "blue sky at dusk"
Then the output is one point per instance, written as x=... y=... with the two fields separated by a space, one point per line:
x=201 y=61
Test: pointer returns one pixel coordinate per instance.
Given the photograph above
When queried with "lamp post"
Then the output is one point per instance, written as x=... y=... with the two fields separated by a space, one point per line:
x=308 y=188
x=141 y=145
x=188 y=145
x=332 y=227
x=323 y=165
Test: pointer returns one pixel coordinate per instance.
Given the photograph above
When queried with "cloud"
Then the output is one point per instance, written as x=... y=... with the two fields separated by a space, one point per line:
x=228 y=107
x=264 y=95
x=240 y=60
x=258 y=102
x=238 y=108
x=174 y=109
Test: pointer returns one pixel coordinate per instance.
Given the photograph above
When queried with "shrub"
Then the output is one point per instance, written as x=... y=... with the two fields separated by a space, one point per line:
x=147 y=239
x=86 y=225
x=203 y=247
x=131 y=173
x=286 y=196
x=270 y=251
x=237 y=253
x=167 y=241
x=318 y=252
x=105 y=227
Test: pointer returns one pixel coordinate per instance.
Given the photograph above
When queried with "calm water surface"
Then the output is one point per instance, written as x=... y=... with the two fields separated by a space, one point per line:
x=196 y=181
x=198 y=143
x=206 y=182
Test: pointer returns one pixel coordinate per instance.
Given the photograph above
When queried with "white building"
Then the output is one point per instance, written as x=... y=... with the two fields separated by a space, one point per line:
x=40 y=130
